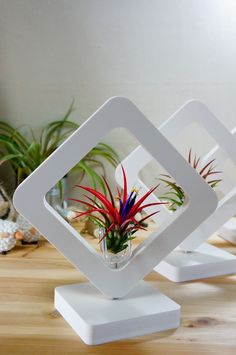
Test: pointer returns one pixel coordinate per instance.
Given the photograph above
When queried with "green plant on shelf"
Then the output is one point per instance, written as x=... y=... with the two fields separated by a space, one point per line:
x=26 y=154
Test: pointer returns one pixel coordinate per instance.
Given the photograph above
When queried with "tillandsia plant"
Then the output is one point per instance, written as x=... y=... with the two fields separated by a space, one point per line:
x=116 y=216
x=25 y=152
x=176 y=196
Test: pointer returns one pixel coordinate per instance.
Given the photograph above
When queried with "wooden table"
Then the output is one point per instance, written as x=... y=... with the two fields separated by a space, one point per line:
x=30 y=325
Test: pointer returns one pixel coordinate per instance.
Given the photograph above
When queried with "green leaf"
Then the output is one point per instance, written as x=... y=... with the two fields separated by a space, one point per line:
x=110 y=150
x=99 y=152
x=175 y=187
x=179 y=203
x=98 y=222
x=25 y=156
x=94 y=177
x=53 y=131
x=12 y=133
x=10 y=157
x=60 y=188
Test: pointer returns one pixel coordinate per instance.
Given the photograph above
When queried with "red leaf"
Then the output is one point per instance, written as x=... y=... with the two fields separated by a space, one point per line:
x=94 y=210
x=190 y=156
x=196 y=162
x=107 y=231
x=127 y=221
x=211 y=173
x=125 y=185
x=151 y=204
x=206 y=166
x=148 y=216
x=113 y=211
x=118 y=192
x=90 y=199
x=81 y=201
x=109 y=191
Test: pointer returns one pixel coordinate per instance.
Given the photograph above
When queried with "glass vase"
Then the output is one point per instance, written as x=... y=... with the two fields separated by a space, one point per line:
x=114 y=260
x=53 y=196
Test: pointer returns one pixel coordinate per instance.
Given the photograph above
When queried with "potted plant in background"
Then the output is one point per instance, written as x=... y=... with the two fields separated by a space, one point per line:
x=175 y=194
x=26 y=152
x=116 y=218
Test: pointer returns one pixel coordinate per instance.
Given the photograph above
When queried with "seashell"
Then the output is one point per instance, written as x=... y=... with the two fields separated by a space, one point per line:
x=7 y=238
x=30 y=234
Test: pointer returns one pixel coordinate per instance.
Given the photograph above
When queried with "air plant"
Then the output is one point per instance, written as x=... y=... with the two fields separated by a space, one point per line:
x=116 y=219
x=25 y=152
x=176 y=195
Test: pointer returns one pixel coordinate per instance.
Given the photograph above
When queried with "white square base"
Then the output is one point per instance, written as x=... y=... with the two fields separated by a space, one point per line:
x=98 y=320
x=205 y=261
x=228 y=231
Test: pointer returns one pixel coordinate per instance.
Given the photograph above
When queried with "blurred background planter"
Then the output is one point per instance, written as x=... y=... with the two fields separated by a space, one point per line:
x=57 y=196
x=22 y=151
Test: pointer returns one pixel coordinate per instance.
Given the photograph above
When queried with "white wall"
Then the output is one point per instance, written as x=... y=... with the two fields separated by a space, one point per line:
x=159 y=53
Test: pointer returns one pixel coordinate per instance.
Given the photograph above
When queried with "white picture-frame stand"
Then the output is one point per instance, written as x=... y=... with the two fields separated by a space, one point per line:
x=128 y=306
x=228 y=231
x=194 y=258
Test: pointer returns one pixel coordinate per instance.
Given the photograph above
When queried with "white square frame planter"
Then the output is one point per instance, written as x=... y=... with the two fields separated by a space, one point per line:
x=228 y=230
x=99 y=320
x=201 y=260
x=116 y=112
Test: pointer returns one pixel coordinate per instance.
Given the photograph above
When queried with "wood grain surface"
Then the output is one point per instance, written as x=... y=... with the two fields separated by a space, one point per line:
x=30 y=325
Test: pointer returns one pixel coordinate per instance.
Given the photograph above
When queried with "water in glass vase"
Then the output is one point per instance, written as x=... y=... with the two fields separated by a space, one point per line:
x=116 y=248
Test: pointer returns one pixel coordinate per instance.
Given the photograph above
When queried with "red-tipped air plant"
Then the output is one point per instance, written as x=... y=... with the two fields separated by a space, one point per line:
x=175 y=194
x=119 y=222
x=207 y=170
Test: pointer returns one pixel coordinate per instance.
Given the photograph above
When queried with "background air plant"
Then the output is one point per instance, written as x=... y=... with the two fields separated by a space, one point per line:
x=117 y=220
x=26 y=154
x=175 y=194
